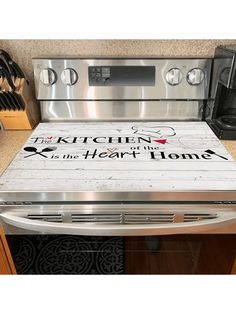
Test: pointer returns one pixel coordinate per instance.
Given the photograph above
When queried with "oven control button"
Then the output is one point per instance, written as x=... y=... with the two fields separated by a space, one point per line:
x=195 y=76
x=48 y=76
x=174 y=76
x=69 y=76
x=106 y=81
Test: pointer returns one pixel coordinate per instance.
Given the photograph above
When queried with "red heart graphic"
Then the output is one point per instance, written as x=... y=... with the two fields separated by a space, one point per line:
x=160 y=141
x=50 y=137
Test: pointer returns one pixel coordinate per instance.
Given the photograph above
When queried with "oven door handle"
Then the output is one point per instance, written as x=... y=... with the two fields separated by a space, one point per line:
x=224 y=219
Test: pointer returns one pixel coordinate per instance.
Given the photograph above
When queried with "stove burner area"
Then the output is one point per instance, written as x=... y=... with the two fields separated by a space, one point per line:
x=60 y=254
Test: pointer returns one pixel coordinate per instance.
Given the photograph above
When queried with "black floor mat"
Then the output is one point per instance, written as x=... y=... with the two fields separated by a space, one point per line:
x=66 y=254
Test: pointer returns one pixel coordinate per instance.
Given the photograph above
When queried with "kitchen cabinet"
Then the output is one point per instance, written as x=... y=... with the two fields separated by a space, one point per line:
x=233 y=270
x=6 y=262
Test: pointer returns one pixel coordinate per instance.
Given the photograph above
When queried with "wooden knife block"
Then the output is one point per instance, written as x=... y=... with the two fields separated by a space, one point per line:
x=22 y=119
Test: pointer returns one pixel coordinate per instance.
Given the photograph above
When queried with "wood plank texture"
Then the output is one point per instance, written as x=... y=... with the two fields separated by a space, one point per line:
x=121 y=156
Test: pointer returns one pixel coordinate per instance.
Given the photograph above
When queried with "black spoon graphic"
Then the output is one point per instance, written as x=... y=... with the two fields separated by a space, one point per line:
x=48 y=149
x=34 y=149
x=211 y=152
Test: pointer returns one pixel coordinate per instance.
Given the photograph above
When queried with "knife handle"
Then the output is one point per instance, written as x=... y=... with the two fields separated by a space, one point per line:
x=5 y=54
x=19 y=72
x=13 y=68
x=8 y=77
x=5 y=61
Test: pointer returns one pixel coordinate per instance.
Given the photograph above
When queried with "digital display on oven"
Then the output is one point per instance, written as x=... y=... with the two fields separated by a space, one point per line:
x=121 y=75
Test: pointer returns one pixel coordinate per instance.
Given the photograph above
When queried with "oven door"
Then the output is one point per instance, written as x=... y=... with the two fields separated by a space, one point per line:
x=121 y=239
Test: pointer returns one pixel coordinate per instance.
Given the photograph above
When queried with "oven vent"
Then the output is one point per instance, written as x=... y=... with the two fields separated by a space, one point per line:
x=47 y=217
x=156 y=218
x=97 y=218
x=125 y=218
x=197 y=217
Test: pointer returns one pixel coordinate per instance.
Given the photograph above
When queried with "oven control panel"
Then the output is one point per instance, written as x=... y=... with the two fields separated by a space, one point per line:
x=121 y=75
x=67 y=78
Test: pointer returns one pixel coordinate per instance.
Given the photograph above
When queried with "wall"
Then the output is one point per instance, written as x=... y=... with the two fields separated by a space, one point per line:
x=22 y=51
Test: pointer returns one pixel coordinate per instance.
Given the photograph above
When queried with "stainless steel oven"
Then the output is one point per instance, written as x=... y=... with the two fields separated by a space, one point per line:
x=125 y=168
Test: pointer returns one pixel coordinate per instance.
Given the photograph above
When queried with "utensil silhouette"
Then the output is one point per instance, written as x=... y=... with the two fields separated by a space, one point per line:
x=34 y=149
x=49 y=149
x=30 y=149
x=211 y=152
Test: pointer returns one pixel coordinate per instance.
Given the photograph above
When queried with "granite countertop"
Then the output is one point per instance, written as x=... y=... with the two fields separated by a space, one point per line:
x=10 y=144
x=12 y=141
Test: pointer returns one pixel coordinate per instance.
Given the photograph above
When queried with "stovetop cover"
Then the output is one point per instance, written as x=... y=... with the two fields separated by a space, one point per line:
x=120 y=161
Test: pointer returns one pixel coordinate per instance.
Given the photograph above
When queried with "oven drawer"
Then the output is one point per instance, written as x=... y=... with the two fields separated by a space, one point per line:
x=120 y=220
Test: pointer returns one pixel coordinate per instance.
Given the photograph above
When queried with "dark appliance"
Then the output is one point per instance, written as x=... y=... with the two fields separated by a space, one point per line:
x=123 y=175
x=223 y=117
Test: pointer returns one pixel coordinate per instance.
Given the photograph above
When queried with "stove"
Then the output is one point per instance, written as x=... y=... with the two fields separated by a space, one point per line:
x=123 y=150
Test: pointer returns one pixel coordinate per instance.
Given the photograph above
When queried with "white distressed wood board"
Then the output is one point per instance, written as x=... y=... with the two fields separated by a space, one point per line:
x=121 y=156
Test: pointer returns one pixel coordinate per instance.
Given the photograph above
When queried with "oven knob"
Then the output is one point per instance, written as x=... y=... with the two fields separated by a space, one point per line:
x=195 y=76
x=174 y=76
x=48 y=76
x=69 y=76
